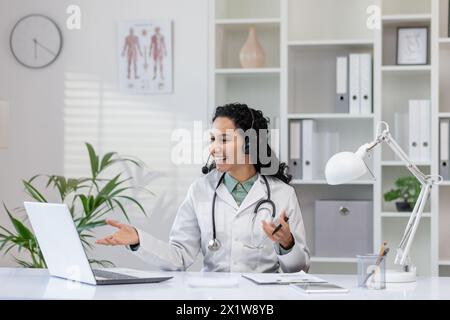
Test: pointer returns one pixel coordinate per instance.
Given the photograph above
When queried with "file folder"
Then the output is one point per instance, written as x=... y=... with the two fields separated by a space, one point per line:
x=295 y=146
x=425 y=130
x=414 y=130
x=354 y=84
x=308 y=129
x=365 y=65
x=342 y=85
x=444 y=127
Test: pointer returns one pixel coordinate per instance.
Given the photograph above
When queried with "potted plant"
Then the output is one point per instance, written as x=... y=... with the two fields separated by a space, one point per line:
x=89 y=200
x=408 y=190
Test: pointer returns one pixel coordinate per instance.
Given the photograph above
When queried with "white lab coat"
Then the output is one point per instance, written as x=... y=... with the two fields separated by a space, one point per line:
x=192 y=230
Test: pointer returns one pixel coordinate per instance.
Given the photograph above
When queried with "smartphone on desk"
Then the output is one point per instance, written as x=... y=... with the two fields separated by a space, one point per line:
x=319 y=288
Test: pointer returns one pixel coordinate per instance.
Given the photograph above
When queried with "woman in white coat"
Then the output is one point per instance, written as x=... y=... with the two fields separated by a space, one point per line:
x=217 y=215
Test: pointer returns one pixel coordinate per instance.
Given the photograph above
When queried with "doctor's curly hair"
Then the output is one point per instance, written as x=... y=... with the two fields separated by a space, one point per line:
x=241 y=115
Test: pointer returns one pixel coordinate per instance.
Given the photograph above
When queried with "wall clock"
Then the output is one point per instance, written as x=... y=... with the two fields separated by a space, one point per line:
x=36 y=41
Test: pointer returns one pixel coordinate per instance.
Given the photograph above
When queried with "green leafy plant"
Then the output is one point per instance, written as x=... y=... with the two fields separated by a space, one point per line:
x=408 y=189
x=89 y=200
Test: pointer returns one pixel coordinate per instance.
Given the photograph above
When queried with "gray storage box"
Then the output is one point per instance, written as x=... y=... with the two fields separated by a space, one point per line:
x=343 y=228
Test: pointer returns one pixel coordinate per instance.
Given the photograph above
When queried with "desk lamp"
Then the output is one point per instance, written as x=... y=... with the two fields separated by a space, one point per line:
x=345 y=167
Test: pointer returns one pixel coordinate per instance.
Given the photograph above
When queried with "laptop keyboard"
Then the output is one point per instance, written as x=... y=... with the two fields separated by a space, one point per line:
x=111 y=275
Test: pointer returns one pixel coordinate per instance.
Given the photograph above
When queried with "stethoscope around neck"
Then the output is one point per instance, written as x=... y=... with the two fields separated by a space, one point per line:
x=214 y=244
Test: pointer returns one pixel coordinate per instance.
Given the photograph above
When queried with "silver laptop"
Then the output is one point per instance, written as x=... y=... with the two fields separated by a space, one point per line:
x=64 y=253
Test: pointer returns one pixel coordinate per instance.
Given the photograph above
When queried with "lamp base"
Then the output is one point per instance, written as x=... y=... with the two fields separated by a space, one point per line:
x=400 y=276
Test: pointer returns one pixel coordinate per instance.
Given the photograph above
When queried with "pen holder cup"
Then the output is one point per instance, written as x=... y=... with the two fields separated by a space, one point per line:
x=371 y=271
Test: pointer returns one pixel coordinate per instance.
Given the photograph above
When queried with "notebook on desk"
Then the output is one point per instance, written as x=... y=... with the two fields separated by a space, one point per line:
x=282 y=278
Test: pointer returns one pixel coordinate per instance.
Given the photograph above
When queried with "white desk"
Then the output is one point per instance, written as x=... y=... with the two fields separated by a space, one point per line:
x=18 y=283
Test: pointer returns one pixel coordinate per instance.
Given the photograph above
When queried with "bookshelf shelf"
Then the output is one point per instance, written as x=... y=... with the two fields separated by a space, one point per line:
x=333 y=260
x=424 y=68
x=274 y=22
x=324 y=182
x=405 y=19
x=242 y=71
x=339 y=42
x=402 y=215
x=337 y=116
x=395 y=163
x=444 y=262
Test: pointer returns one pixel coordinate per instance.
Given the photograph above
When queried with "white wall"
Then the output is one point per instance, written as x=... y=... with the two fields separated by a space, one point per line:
x=76 y=99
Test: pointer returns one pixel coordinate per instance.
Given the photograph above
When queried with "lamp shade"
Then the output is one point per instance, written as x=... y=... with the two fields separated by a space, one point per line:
x=344 y=167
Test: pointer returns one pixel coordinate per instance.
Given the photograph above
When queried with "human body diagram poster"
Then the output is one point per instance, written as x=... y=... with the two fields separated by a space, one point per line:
x=145 y=56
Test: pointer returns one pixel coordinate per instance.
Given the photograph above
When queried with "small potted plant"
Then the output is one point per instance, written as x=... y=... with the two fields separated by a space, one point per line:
x=408 y=189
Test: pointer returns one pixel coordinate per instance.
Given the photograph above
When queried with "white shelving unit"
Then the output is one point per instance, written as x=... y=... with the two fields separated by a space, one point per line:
x=302 y=39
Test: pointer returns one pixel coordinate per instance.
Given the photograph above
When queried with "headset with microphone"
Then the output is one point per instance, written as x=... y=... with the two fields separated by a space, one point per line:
x=214 y=244
x=205 y=168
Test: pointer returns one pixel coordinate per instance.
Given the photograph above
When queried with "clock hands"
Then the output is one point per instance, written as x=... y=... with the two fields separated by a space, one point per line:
x=35 y=49
x=43 y=47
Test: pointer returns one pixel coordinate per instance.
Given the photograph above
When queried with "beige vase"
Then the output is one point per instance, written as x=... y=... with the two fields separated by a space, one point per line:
x=252 y=54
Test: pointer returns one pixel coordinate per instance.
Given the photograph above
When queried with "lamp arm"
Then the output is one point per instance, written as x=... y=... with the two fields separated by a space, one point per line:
x=426 y=182
x=387 y=137
x=411 y=228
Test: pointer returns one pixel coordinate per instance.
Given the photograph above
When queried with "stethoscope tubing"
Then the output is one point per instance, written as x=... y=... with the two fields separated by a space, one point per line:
x=214 y=242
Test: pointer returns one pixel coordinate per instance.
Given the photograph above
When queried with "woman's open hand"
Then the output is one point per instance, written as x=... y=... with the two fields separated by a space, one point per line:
x=125 y=235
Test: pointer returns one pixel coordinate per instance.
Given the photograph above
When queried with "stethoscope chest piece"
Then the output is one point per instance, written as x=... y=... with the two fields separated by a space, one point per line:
x=214 y=244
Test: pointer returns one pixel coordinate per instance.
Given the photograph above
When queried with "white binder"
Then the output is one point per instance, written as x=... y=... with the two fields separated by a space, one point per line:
x=414 y=130
x=308 y=129
x=354 y=84
x=328 y=145
x=342 y=85
x=365 y=65
x=444 y=149
x=295 y=164
x=425 y=130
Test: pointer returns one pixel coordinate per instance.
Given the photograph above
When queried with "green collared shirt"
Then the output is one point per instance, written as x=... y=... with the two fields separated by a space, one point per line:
x=239 y=191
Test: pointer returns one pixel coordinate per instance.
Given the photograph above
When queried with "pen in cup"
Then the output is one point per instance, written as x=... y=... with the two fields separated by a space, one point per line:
x=383 y=252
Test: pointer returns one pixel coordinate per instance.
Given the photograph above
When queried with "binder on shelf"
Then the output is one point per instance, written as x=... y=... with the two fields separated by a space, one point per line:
x=444 y=131
x=414 y=130
x=401 y=131
x=354 y=84
x=329 y=145
x=295 y=147
x=342 y=105
x=308 y=137
x=425 y=130
x=365 y=66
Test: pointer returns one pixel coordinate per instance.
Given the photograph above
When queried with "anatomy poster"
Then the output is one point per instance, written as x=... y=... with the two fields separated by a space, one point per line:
x=145 y=56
